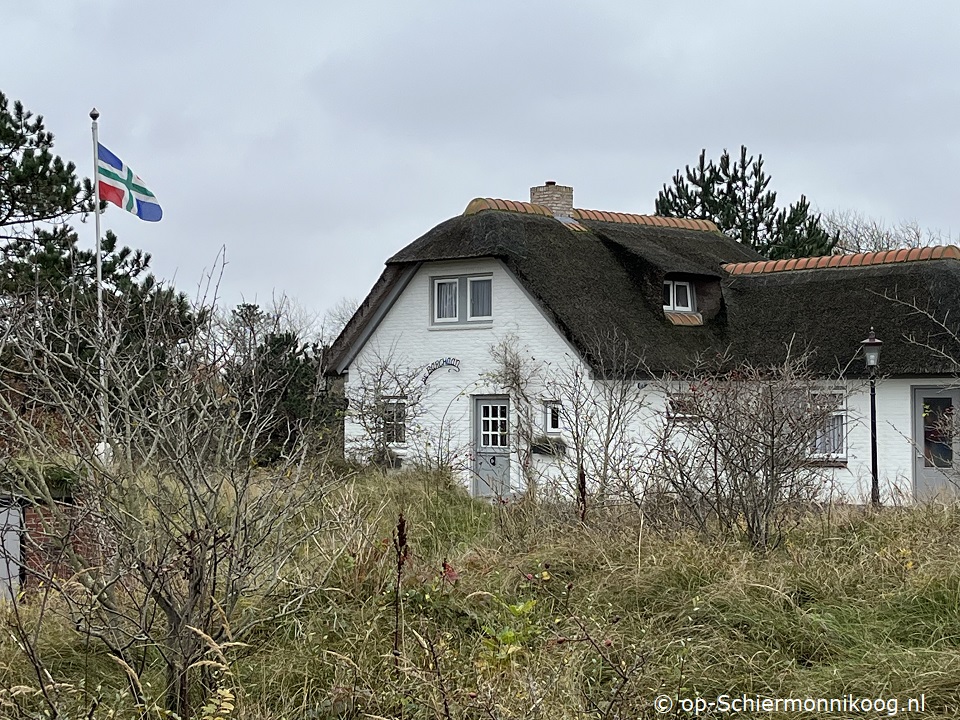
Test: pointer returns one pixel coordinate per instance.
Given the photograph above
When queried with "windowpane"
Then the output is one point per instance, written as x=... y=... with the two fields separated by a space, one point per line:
x=493 y=426
x=394 y=421
x=937 y=432
x=677 y=296
x=481 y=305
x=446 y=300
x=829 y=437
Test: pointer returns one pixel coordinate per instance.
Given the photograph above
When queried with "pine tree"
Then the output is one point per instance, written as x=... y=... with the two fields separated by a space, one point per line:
x=735 y=195
x=36 y=186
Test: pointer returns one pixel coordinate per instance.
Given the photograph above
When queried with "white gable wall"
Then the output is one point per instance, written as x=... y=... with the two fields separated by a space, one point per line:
x=406 y=334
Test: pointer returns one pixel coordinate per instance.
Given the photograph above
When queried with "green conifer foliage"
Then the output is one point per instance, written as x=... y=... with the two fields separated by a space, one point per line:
x=735 y=194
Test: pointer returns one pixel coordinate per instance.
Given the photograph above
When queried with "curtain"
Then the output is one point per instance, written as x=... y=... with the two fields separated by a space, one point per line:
x=447 y=300
x=481 y=304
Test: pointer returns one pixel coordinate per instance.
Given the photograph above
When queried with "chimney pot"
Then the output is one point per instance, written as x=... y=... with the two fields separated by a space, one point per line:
x=556 y=198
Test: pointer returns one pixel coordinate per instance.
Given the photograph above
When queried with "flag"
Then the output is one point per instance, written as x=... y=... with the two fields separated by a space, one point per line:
x=120 y=186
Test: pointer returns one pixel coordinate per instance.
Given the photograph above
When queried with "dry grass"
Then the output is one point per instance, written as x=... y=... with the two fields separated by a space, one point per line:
x=548 y=618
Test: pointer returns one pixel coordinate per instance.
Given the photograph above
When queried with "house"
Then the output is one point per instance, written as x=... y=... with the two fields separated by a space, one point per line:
x=581 y=292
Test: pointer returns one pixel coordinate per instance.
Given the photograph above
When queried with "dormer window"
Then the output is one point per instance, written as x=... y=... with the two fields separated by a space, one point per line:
x=677 y=296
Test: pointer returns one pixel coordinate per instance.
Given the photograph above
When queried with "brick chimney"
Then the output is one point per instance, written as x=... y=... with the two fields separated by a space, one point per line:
x=557 y=198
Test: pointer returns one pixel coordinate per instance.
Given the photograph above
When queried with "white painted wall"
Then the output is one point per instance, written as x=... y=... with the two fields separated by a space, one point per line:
x=407 y=333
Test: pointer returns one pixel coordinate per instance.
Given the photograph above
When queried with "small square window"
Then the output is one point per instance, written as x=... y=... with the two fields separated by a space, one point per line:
x=445 y=300
x=553 y=417
x=481 y=298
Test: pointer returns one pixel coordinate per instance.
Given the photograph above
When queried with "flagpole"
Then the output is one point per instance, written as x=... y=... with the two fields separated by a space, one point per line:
x=101 y=335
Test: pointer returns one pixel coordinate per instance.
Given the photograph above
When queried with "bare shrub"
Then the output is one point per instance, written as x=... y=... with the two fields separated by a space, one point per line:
x=738 y=447
x=195 y=544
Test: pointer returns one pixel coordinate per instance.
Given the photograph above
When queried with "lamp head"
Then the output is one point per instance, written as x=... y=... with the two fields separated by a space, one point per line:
x=871 y=350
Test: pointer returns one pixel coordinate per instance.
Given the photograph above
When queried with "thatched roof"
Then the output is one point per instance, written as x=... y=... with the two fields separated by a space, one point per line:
x=600 y=282
x=601 y=285
x=828 y=311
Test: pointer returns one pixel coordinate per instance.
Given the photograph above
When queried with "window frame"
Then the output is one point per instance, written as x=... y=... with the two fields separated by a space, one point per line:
x=691 y=305
x=464 y=317
x=470 y=281
x=435 y=300
x=821 y=431
x=548 y=407
x=393 y=425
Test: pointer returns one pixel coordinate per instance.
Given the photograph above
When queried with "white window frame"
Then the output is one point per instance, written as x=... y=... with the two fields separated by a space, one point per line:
x=437 y=282
x=548 y=407
x=470 y=281
x=389 y=419
x=840 y=412
x=673 y=307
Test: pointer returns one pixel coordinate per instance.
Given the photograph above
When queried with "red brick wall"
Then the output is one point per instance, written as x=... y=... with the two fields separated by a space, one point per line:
x=51 y=535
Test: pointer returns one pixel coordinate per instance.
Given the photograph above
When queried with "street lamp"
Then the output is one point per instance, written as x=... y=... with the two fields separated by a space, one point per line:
x=871 y=356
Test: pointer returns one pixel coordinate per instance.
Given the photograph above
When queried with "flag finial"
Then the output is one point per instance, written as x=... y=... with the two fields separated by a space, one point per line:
x=94 y=114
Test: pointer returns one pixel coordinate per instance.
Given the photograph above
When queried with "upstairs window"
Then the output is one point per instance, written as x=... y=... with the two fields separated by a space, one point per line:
x=481 y=305
x=677 y=296
x=463 y=300
x=446 y=296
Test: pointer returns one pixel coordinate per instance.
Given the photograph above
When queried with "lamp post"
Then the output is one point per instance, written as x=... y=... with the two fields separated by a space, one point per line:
x=871 y=356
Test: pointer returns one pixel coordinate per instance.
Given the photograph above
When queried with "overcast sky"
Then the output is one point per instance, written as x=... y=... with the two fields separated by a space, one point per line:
x=313 y=140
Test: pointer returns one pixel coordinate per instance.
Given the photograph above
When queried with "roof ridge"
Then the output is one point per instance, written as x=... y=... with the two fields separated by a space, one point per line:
x=883 y=257
x=636 y=219
x=480 y=204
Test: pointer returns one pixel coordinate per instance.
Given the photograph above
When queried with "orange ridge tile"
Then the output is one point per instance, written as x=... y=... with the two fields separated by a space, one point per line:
x=635 y=219
x=480 y=204
x=883 y=257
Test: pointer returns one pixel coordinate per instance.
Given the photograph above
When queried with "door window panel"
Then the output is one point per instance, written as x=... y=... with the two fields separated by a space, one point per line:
x=938 y=432
x=493 y=425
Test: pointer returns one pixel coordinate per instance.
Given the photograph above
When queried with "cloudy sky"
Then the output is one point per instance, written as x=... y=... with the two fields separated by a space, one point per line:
x=312 y=140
